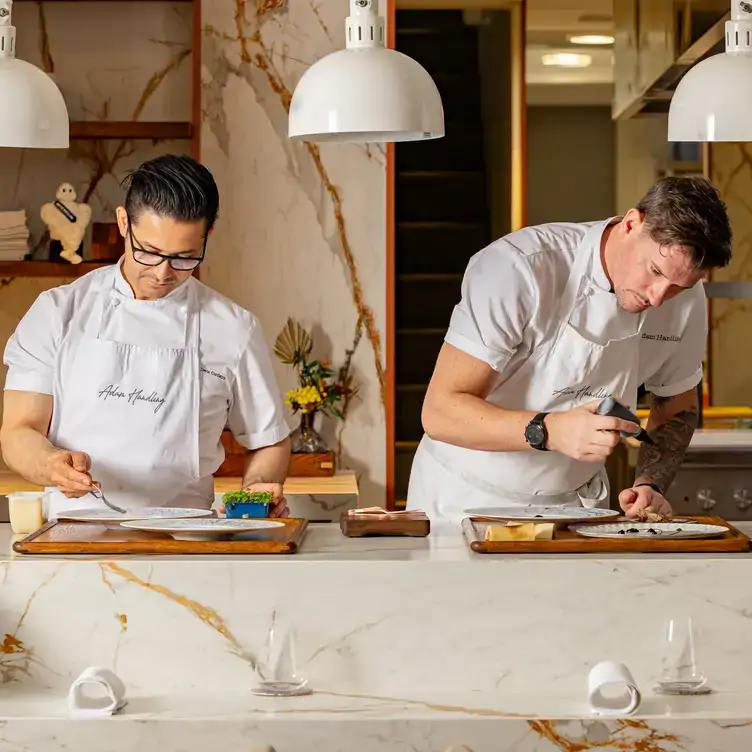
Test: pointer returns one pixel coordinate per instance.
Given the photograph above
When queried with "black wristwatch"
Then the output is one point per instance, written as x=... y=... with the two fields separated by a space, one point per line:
x=650 y=485
x=536 y=433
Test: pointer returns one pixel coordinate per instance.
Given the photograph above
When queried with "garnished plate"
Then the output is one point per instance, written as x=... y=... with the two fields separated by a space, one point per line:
x=654 y=530
x=542 y=514
x=106 y=515
x=202 y=529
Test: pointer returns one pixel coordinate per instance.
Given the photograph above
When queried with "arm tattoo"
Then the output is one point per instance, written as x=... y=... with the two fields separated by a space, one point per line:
x=671 y=428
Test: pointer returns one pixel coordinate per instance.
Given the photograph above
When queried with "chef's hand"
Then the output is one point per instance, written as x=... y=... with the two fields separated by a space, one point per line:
x=69 y=471
x=633 y=500
x=582 y=434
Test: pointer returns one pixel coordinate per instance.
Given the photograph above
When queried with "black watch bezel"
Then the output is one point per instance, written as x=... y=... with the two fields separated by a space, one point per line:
x=536 y=433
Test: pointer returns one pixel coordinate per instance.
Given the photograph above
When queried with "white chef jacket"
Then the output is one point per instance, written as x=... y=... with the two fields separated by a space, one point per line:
x=238 y=387
x=510 y=296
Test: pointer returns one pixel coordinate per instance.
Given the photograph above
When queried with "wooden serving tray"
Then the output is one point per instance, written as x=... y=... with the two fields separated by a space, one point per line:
x=72 y=538
x=567 y=542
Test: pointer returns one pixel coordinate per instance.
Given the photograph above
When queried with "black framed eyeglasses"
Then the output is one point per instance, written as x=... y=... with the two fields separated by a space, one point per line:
x=152 y=258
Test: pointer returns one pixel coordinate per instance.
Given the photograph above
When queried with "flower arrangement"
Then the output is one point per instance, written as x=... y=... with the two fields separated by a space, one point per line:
x=319 y=388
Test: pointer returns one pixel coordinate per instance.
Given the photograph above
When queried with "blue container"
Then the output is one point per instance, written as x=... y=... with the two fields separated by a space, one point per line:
x=240 y=510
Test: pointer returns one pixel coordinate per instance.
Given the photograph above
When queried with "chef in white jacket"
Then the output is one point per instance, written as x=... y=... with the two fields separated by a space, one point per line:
x=552 y=320
x=128 y=376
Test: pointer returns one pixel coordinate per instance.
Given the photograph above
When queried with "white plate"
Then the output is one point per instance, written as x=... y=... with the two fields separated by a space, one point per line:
x=145 y=513
x=661 y=530
x=205 y=529
x=542 y=514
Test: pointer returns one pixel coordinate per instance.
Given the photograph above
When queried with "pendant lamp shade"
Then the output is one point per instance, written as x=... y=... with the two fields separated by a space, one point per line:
x=32 y=110
x=366 y=92
x=713 y=102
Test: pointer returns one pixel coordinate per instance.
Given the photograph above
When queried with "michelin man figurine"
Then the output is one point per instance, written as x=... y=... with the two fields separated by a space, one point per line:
x=67 y=221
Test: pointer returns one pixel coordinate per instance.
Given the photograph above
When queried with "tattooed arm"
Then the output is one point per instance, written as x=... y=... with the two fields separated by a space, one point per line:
x=671 y=423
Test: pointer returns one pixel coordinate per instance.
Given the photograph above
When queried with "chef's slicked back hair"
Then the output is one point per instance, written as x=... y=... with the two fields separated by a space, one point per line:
x=172 y=186
x=689 y=212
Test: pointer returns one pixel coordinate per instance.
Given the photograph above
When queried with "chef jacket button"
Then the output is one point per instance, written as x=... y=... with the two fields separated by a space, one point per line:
x=116 y=302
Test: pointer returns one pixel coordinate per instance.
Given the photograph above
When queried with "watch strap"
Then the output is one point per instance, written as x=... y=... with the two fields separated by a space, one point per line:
x=538 y=421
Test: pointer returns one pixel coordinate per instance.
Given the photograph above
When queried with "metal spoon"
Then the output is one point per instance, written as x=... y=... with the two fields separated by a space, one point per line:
x=97 y=494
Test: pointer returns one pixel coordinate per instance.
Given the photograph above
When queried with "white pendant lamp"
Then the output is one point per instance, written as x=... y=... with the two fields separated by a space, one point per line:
x=366 y=92
x=32 y=109
x=713 y=102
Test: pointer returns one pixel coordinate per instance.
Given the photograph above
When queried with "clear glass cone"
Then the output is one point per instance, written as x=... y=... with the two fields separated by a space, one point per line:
x=277 y=665
x=680 y=672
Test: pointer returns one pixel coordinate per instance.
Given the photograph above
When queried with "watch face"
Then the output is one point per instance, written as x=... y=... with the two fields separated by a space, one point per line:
x=535 y=435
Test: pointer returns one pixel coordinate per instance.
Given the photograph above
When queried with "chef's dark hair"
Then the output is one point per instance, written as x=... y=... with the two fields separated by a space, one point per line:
x=172 y=186
x=689 y=212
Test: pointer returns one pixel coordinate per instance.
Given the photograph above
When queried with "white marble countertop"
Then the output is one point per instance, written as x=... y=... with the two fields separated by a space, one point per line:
x=324 y=542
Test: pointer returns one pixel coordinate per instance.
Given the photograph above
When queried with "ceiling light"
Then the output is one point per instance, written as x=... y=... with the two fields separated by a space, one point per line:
x=567 y=60
x=33 y=112
x=366 y=92
x=713 y=102
x=591 y=39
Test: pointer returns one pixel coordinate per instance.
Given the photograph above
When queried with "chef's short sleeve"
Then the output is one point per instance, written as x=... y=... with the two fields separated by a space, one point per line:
x=499 y=297
x=256 y=416
x=32 y=348
x=682 y=369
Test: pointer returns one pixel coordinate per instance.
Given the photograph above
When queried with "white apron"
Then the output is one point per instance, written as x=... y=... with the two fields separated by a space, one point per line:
x=589 y=353
x=134 y=410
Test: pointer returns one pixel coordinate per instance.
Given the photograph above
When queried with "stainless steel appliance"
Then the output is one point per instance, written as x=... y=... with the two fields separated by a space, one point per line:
x=716 y=476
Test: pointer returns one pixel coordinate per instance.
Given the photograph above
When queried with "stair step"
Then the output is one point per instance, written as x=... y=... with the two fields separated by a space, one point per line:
x=407 y=419
x=416 y=351
x=461 y=149
x=429 y=247
x=441 y=196
x=426 y=300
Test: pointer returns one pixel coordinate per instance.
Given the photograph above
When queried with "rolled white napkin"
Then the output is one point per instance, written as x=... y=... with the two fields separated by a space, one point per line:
x=96 y=692
x=612 y=690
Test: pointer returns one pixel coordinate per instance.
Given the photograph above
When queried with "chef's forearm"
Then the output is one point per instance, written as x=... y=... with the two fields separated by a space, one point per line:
x=671 y=424
x=268 y=464
x=469 y=421
x=28 y=453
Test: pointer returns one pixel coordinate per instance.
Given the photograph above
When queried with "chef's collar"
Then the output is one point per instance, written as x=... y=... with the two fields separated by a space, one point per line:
x=121 y=285
x=600 y=278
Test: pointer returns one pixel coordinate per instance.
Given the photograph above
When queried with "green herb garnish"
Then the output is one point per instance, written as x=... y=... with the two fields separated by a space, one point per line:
x=244 y=497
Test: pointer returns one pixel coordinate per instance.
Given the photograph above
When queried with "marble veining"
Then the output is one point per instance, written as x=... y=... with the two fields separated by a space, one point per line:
x=418 y=643
x=302 y=218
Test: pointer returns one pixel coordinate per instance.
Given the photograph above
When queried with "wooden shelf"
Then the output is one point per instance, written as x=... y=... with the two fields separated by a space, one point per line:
x=47 y=268
x=341 y=484
x=98 y=129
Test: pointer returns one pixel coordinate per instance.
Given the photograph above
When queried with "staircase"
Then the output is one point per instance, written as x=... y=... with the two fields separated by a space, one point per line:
x=441 y=211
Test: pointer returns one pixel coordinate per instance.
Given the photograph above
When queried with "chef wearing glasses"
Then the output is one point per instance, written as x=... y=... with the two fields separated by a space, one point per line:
x=127 y=377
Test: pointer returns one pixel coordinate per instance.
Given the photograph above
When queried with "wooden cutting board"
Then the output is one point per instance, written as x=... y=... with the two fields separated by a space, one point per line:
x=71 y=538
x=565 y=541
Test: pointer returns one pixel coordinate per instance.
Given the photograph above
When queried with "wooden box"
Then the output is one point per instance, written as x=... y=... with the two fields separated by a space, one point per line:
x=107 y=244
x=312 y=465
x=358 y=523
x=301 y=465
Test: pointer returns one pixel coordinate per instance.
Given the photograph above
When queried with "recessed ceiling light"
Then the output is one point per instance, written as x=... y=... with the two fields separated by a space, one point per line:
x=591 y=39
x=567 y=60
